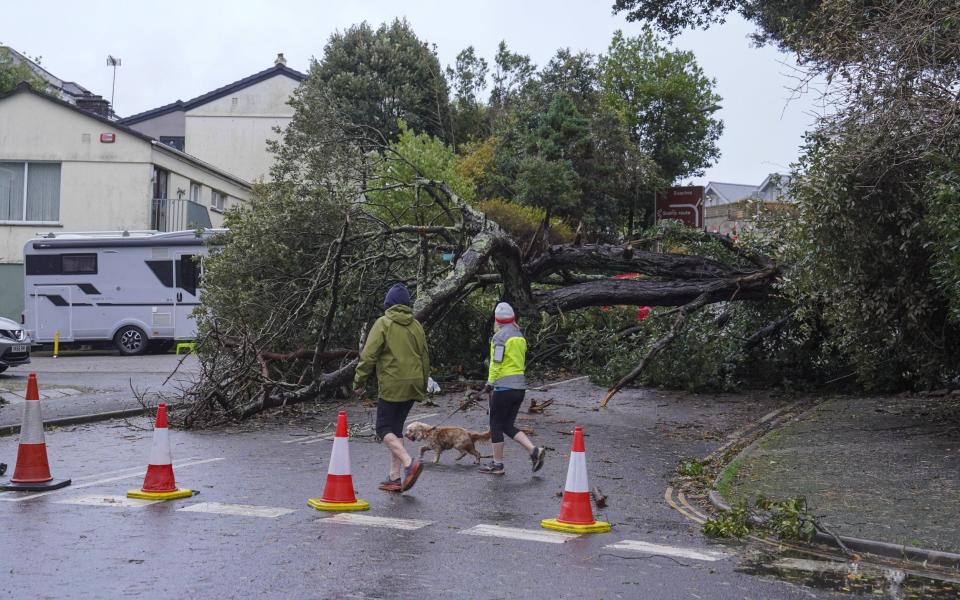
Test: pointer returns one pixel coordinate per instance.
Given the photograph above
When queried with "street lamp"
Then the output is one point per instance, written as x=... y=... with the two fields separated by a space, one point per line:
x=113 y=62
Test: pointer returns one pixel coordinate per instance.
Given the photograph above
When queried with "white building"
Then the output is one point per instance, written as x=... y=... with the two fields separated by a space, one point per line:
x=228 y=127
x=66 y=169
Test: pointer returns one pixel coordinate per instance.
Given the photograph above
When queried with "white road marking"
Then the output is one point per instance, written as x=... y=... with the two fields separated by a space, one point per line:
x=368 y=521
x=514 y=533
x=19 y=497
x=240 y=510
x=301 y=440
x=418 y=417
x=113 y=501
x=662 y=550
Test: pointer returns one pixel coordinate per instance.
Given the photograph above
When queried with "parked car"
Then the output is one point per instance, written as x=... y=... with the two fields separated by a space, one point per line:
x=14 y=345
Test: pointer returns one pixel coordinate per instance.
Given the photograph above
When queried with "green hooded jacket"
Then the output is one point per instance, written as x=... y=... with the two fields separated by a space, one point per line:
x=397 y=348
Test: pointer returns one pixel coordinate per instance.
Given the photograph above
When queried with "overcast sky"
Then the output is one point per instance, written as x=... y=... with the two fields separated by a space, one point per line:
x=180 y=49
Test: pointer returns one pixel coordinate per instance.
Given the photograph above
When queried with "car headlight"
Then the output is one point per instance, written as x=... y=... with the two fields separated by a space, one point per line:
x=19 y=335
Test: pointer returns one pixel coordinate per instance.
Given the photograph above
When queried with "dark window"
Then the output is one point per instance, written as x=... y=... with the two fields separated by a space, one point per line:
x=79 y=264
x=174 y=141
x=160 y=177
x=188 y=273
x=42 y=264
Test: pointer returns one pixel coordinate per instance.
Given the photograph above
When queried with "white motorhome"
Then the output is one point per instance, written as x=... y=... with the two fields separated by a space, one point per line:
x=134 y=289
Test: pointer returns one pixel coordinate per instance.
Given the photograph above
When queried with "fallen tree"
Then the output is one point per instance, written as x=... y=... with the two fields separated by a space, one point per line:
x=247 y=370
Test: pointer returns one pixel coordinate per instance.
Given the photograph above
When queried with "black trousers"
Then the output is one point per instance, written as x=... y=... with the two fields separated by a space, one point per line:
x=504 y=407
x=390 y=417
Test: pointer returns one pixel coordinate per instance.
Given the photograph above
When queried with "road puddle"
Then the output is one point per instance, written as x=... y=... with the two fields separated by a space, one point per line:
x=854 y=578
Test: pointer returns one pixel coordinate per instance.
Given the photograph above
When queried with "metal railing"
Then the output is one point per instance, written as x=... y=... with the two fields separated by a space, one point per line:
x=171 y=214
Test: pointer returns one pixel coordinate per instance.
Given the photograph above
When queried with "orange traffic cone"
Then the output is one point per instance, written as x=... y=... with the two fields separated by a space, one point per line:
x=576 y=515
x=338 y=494
x=159 y=484
x=32 y=473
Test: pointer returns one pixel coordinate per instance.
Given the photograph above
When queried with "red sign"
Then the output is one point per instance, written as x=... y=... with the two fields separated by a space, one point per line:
x=108 y=138
x=683 y=204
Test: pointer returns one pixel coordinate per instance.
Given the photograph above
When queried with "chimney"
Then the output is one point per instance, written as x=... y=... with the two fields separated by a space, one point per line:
x=98 y=105
x=280 y=60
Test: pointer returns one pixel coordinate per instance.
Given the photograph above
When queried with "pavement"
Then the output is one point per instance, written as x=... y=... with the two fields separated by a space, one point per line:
x=86 y=383
x=457 y=534
x=884 y=469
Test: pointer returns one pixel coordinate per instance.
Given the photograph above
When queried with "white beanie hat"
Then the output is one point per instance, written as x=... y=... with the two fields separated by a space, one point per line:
x=504 y=313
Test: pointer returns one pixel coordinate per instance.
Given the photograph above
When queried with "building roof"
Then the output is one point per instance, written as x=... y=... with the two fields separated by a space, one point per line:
x=278 y=69
x=24 y=87
x=730 y=192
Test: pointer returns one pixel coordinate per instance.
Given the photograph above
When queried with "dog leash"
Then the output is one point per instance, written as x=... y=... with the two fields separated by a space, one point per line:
x=472 y=398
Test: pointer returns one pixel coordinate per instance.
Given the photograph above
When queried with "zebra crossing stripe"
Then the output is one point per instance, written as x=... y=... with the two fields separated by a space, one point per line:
x=111 y=501
x=514 y=533
x=368 y=521
x=237 y=510
x=663 y=550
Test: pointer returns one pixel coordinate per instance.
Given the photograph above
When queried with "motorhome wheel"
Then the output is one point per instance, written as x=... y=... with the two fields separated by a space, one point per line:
x=131 y=340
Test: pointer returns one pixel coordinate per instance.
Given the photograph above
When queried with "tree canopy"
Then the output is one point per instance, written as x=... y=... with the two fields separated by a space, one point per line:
x=377 y=77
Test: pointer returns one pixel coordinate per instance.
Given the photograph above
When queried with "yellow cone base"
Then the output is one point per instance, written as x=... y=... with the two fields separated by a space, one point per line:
x=142 y=495
x=595 y=527
x=319 y=504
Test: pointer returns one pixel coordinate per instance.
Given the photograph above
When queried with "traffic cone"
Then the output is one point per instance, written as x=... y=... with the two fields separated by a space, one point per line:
x=159 y=484
x=576 y=515
x=338 y=494
x=32 y=473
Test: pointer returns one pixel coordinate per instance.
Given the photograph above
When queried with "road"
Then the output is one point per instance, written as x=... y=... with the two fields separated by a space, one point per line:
x=457 y=534
x=88 y=383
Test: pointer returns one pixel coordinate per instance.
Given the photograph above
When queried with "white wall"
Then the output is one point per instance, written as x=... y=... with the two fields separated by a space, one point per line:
x=102 y=186
x=232 y=132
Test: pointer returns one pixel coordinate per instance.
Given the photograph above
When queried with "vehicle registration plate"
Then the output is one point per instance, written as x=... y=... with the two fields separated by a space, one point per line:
x=19 y=349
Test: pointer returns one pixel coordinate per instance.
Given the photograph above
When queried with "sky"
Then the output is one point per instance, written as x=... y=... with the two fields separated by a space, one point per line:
x=180 y=49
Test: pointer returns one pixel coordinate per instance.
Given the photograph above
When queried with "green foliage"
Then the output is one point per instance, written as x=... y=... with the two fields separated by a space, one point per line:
x=378 y=77
x=666 y=100
x=690 y=467
x=424 y=156
x=788 y=520
x=943 y=219
x=13 y=72
x=521 y=222
x=467 y=113
x=733 y=524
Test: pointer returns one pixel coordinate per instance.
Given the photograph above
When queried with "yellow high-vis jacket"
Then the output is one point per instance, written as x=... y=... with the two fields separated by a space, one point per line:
x=508 y=356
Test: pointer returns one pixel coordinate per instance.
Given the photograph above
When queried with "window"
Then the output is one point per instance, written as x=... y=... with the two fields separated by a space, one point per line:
x=61 y=264
x=218 y=200
x=189 y=273
x=79 y=264
x=29 y=192
x=160 y=179
x=174 y=141
x=195 y=192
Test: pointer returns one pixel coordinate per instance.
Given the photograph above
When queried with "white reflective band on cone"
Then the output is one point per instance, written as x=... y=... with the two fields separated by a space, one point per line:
x=160 y=452
x=339 y=457
x=31 y=432
x=577 y=473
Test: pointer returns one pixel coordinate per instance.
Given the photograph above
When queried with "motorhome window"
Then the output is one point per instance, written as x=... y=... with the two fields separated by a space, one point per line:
x=79 y=264
x=29 y=191
x=42 y=264
x=189 y=273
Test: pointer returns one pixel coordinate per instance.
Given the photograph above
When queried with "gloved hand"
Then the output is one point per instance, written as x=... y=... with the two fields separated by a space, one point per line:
x=360 y=392
x=432 y=386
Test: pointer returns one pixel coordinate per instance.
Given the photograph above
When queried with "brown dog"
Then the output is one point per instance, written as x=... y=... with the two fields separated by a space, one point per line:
x=439 y=439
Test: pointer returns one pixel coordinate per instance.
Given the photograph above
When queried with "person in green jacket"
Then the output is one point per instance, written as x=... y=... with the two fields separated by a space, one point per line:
x=397 y=348
x=506 y=387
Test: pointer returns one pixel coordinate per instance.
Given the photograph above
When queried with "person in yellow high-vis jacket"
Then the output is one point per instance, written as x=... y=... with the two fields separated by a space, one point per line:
x=506 y=387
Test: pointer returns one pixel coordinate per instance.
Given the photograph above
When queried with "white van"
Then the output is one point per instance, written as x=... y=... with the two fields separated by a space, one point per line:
x=135 y=290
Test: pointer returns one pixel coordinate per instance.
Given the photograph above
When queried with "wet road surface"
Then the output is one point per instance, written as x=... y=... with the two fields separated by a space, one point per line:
x=457 y=534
